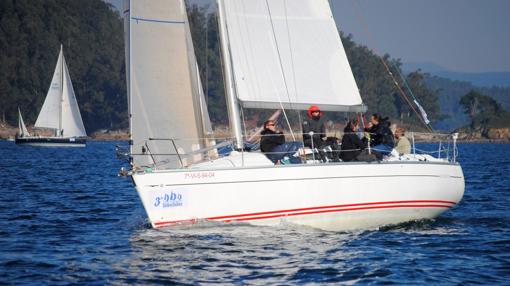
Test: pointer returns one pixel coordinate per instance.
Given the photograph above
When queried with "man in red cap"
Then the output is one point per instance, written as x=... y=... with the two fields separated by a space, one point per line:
x=314 y=134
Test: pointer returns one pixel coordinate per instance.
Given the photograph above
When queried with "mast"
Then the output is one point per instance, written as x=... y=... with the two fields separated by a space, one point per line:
x=130 y=68
x=232 y=104
x=61 y=92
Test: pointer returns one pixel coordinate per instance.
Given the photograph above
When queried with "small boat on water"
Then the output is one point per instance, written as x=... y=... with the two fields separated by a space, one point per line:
x=276 y=55
x=60 y=114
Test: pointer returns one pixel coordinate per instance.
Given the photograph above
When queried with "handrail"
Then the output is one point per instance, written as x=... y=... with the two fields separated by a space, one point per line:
x=443 y=152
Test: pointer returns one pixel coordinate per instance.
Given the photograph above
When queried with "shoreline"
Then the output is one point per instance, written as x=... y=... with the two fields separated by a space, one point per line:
x=126 y=139
x=8 y=133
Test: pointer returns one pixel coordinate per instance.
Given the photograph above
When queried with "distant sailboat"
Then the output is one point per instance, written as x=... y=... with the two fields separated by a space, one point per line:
x=59 y=113
x=23 y=131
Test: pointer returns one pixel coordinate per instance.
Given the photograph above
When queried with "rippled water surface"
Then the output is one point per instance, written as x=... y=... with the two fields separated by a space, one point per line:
x=66 y=218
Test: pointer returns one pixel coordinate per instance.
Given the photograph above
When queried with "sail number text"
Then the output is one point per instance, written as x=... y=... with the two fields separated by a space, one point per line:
x=200 y=175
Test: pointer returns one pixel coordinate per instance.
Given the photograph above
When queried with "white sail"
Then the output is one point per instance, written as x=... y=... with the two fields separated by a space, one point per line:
x=49 y=116
x=21 y=125
x=164 y=95
x=60 y=110
x=289 y=53
x=72 y=124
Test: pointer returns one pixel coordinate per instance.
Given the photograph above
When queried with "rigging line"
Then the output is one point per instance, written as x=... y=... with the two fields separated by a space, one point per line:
x=423 y=112
x=300 y=120
x=367 y=30
x=282 y=71
x=405 y=83
x=207 y=60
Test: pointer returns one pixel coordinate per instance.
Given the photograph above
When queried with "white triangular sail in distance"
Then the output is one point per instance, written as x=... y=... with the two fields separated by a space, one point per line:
x=163 y=84
x=289 y=53
x=23 y=131
x=60 y=110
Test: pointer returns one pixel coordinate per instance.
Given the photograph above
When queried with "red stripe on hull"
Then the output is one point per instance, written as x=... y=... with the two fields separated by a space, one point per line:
x=338 y=210
x=317 y=210
x=334 y=206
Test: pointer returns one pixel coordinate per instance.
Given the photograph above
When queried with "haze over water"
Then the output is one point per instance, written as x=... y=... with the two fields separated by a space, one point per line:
x=66 y=218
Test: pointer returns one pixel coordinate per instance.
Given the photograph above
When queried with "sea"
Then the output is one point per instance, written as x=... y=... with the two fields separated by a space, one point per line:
x=66 y=218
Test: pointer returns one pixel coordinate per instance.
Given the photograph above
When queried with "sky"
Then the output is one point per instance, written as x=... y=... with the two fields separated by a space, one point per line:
x=458 y=35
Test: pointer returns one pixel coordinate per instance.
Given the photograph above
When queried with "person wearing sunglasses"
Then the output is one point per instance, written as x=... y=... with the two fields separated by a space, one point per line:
x=273 y=145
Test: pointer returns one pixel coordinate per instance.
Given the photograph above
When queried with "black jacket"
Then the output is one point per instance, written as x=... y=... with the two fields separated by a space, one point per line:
x=270 y=139
x=319 y=132
x=351 y=145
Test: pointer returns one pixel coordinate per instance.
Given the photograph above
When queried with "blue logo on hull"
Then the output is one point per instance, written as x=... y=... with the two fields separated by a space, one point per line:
x=168 y=200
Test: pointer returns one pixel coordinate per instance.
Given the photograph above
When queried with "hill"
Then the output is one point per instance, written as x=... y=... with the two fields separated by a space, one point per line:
x=92 y=36
x=482 y=79
x=451 y=91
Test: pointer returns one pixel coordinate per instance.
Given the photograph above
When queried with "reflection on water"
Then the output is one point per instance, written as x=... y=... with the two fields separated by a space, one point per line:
x=235 y=253
x=66 y=218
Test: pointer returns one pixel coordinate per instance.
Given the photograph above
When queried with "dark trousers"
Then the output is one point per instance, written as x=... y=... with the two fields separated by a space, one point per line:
x=320 y=146
x=286 y=149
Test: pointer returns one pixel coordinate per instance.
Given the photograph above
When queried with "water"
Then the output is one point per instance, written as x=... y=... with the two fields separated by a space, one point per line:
x=66 y=218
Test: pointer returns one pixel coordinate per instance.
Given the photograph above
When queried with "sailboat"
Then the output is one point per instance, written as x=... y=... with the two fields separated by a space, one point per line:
x=277 y=54
x=23 y=131
x=60 y=114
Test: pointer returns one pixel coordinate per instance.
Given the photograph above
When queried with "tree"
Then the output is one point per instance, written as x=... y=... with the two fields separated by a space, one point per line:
x=483 y=110
x=91 y=33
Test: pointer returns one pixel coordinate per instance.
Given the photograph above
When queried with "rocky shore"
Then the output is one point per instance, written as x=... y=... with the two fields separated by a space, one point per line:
x=490 y=135
x=9 y=132
x=499 y=135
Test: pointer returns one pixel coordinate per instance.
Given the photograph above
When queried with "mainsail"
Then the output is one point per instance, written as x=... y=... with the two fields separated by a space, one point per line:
x=289 y=53
x=49 y=116
x=21 y=125
x=167 y=111
x=60 y=110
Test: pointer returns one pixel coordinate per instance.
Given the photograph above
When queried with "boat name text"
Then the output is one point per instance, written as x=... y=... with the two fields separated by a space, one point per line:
x=201 y=175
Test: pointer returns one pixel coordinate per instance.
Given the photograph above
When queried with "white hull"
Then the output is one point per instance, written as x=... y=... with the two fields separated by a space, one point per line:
x=342 y=196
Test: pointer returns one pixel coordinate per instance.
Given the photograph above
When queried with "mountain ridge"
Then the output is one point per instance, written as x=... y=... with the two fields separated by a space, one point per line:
x=480 y=79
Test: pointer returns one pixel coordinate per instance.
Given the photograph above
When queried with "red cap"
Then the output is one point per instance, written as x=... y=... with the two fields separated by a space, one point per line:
x=312 y=109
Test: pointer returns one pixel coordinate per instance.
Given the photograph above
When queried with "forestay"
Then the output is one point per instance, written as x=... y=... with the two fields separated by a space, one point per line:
x=165 y=98
x=289 y=53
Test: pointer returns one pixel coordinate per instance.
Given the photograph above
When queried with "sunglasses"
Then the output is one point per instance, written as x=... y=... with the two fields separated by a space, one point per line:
x=271 y=125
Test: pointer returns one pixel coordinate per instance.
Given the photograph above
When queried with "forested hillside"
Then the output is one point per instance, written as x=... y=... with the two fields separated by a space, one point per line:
x=91 y=33
x=92 y=36
x=450 y=93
